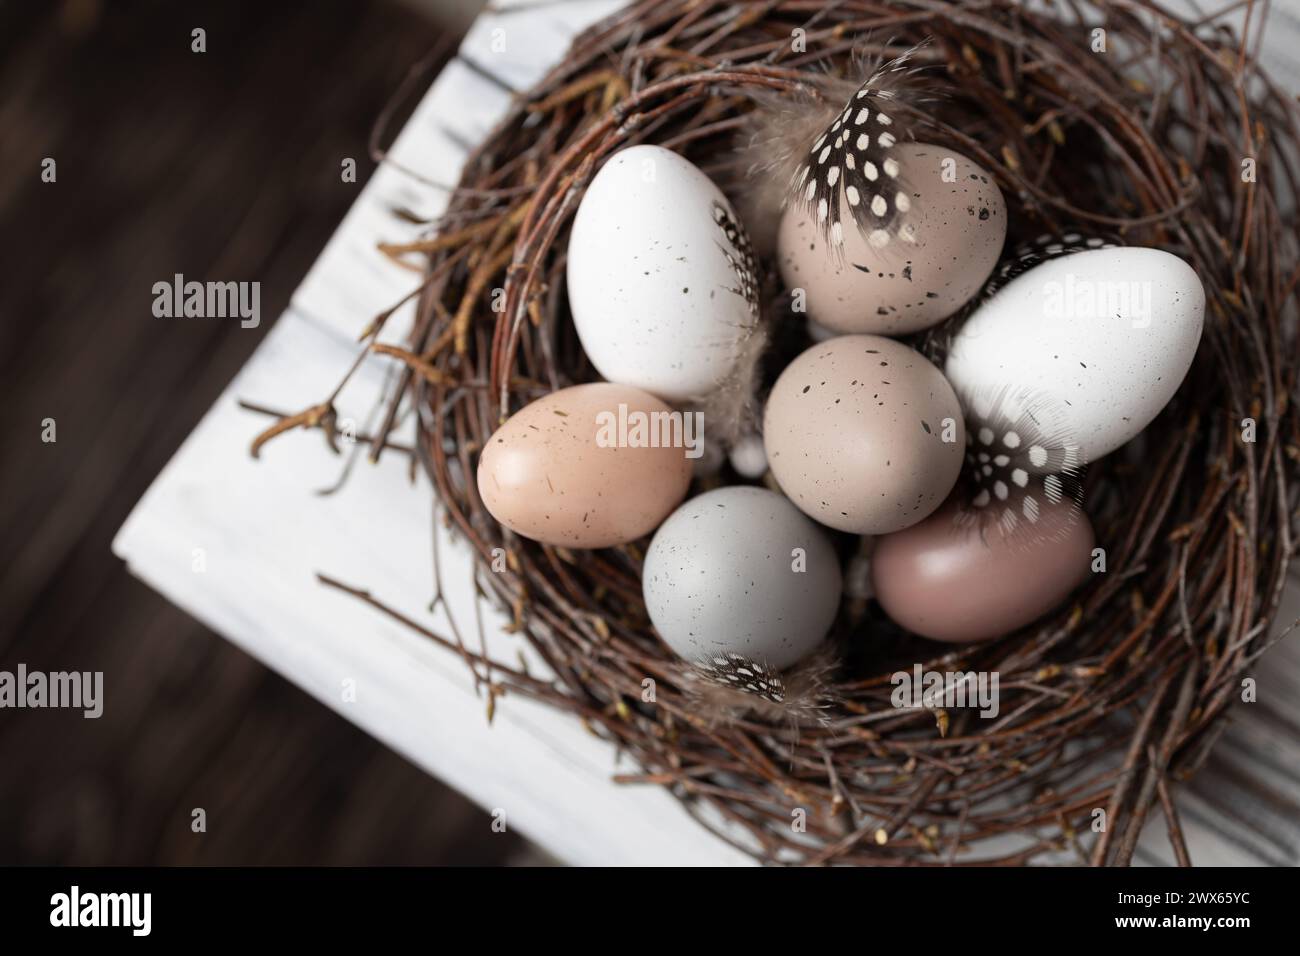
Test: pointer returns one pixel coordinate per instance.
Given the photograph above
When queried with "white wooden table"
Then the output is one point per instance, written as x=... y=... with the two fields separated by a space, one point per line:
x=238 y=542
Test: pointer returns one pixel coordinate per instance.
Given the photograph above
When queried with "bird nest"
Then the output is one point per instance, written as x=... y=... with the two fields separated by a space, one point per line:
x=1116 y=118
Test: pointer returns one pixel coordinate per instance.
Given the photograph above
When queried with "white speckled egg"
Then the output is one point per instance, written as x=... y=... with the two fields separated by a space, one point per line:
x=661 y=276
x=1105 y=336
x=740 y=571
x=864 y=434
x=952 y=222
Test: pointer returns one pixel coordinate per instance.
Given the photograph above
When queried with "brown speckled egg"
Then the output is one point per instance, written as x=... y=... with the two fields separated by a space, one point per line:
x=864 y=434
x=562 y=471
x=947 y=241
x=955 y=577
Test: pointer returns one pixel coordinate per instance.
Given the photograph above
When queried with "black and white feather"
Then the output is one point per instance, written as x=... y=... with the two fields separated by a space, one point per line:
x=725 y=688
x=740 y=673
x=786 y=134
x=739 y=252
x=1040 y=250
x=1022 y=458
x=850 y=175
x=731 y=408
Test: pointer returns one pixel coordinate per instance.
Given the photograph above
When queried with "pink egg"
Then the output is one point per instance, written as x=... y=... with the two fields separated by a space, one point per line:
x=959 y=577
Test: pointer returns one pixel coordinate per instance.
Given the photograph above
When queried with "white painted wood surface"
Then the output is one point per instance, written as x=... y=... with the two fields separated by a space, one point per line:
x=264 y=535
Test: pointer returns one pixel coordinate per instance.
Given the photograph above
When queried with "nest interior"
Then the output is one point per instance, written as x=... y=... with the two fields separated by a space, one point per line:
x=1105 y=705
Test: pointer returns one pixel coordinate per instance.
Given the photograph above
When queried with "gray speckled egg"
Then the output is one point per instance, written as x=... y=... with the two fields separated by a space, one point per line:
x=740 y=571
x=952 y=230
x=864 y=434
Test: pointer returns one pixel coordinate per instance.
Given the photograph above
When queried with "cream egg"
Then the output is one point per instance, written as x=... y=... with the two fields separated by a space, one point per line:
x=589 y=466
x=864 y=434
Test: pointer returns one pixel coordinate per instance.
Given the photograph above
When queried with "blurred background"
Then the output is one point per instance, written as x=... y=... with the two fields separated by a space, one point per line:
x=222 y=164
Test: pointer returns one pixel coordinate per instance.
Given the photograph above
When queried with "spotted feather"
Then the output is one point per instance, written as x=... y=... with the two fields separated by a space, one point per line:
x=741 y=673
x=1040 y=250
x=739 y=252
x=853 y=163
x=727 y=687
x=1021 y=458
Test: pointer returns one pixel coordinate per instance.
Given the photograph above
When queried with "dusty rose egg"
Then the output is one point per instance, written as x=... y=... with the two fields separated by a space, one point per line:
x=864 y=434
x=952 y=221
x=957 y=578
x=576 y=467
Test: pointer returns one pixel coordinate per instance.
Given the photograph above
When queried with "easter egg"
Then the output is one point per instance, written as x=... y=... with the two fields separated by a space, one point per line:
x=589 y=466
x=1105 y=335
x=955 y=577
x=942 y=223
x=661 y=277
x=864 y=434
x=740 y=571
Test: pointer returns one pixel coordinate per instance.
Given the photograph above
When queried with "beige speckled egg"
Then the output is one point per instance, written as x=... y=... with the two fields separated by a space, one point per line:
x=576 y=468
x=948 y=242
x=864 y=434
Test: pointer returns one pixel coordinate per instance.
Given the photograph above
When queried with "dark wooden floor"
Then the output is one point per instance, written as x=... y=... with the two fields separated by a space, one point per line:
x=221 y=165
